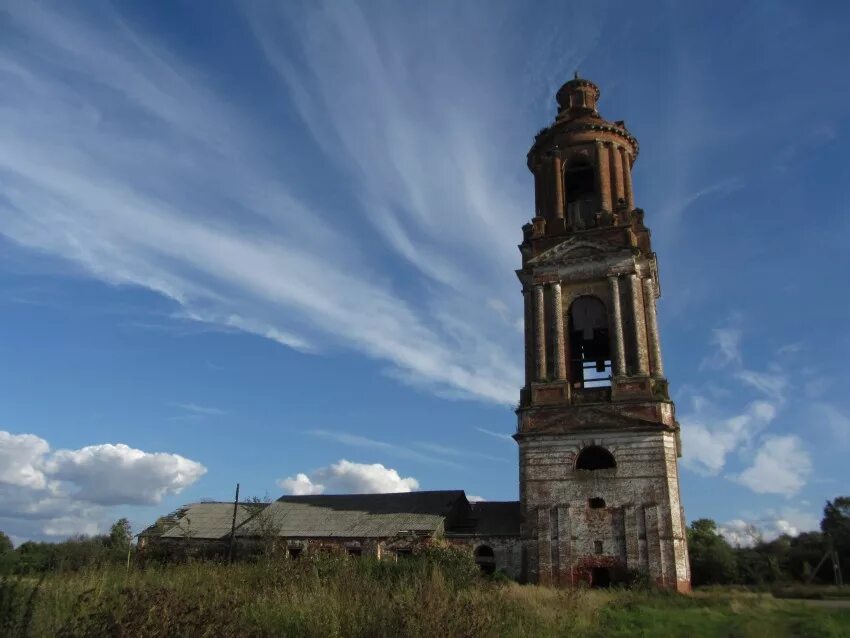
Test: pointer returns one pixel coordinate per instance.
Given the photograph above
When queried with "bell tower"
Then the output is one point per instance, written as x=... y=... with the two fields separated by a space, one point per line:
x=597 y=432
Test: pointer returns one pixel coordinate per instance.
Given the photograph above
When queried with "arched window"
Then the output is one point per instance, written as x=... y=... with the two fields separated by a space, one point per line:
x=580 y=193
x=595 y=457
x=590 y=347
x=596 y=503
x=485 y=558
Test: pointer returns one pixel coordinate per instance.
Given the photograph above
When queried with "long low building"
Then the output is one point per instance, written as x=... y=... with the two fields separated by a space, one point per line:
x=377 y=525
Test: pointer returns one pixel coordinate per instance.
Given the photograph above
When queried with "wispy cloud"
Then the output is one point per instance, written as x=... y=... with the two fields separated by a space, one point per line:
x=392 y=449
x=121 y=157
x=445 y=450
x=498 y=435
x=200 y=410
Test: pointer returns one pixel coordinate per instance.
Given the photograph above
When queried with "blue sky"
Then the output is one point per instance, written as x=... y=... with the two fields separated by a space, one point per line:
x=274 y=243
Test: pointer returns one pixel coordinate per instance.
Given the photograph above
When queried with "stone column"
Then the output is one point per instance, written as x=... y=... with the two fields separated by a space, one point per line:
x=652 y=328
x=627 y=176
x=603 y=176
x=529 y=336
x=640 y=326
x=617 y=169
x=559 y=187
x=540 y=332
x=619 y=346
x=558 y=315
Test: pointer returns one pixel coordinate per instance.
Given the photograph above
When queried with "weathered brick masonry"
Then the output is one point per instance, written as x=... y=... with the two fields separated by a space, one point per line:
x=598 y=437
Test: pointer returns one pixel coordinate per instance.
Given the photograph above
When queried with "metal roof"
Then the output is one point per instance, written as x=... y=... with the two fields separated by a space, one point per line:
x=210 y=520
x=349 y=516
x=357 y=515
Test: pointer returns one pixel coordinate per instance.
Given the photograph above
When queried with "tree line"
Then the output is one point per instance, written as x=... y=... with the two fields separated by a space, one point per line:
x=714 y=561
x=801 y=558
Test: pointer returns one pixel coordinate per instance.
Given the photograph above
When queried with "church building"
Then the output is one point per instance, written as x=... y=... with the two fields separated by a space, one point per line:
x=597 y=432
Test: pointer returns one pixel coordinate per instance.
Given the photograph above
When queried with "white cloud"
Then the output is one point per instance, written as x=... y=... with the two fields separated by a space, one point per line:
x=709 y=439
x=301 y=485
x=745 y=532
x=727 y=343
x=65 y=491
x=346 y=477
x=115 y=474
x=393 y=449
x=781 y=466
x=199 y=410
x=21 y=460
x=772 y=383
x=183 y=194
x=497 y=435
x=472 y=498
x=836 y=421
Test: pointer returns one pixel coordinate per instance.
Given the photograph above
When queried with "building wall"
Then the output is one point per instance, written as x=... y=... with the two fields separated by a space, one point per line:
x=641 y=528
x=507 y=550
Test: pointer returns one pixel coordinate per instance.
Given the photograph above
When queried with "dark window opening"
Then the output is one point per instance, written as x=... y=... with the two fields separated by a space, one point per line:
x=600 y=577
x=294 y=552
x=355 y=551
x=403 y=553
x=485 y=558
x=595 y=457
x=597 y=547
x=590 y=347
x=596 y=503
x=580 y=195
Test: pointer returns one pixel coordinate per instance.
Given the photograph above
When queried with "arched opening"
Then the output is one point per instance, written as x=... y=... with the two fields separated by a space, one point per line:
x=590 y=347
x=596 y=503
x=580 y=194
x=600 y=577
x=485 y=558
x=595 y=457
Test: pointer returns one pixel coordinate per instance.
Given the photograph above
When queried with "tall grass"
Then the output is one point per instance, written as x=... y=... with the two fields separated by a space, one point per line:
x=439 y=595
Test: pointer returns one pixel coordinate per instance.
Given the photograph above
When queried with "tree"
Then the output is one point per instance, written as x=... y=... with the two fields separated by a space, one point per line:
x=835 y=525
x=263 y=525
x=712 y=558
x=5 y=544
x=120 y=534
x=805 y=554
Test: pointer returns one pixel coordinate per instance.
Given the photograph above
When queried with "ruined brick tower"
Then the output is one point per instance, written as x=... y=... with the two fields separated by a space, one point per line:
x=597 y=432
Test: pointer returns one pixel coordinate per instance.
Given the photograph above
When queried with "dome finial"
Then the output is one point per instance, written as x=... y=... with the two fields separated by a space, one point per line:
x=575 y=76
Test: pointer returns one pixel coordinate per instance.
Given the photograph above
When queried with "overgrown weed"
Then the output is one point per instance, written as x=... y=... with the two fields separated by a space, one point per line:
x=435 y=595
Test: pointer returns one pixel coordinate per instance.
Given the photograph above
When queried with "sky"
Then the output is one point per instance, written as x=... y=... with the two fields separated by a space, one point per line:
x=273 y=243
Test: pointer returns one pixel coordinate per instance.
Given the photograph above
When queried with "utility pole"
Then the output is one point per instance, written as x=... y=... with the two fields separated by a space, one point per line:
x=233 y=525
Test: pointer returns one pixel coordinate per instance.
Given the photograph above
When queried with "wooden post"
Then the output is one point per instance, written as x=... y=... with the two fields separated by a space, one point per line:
x=233 y=525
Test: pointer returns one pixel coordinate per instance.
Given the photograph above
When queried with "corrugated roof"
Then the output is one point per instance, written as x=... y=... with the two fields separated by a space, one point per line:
x=350 y=516
x=358 y=515
x=210 y=520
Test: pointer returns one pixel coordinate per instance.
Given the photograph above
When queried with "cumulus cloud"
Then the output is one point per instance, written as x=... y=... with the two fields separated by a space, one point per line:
x=21 y=457
x=347 y=477
x=65 y=491
x=774 y=464
x=118 y=474
x=746 y=532
x=709 y=438
x=781 y=466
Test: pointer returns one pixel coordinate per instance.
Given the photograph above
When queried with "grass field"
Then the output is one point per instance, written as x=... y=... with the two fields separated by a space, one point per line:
x=342 y=597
